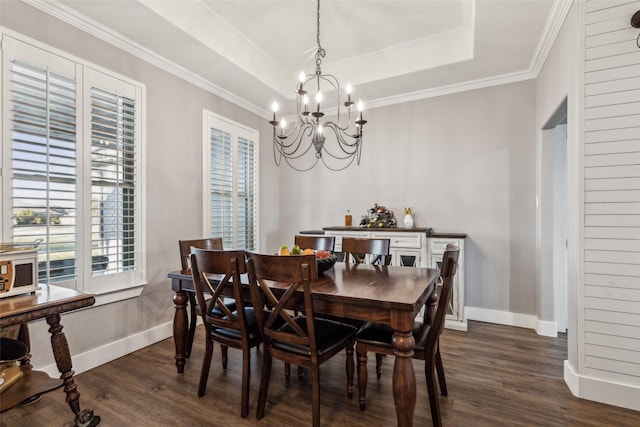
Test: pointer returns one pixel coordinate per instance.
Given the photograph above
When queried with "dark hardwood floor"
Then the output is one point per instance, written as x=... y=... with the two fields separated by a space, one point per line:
x=496 y=375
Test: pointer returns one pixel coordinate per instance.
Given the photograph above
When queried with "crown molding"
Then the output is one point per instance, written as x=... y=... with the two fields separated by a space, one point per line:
x=553 y=25
x=452 y=89
x=82 y=22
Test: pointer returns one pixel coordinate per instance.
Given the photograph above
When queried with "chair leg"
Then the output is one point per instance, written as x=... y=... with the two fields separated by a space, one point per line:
x=193 y=319
x=264 y=384
x=440 y=372
x=315 y=394
x=362 y=376
x=434 y=401
x=350 y=368
x=379 y=357
x=287 y=371
x=206 y=364
x=225 y=355
x=246 y=382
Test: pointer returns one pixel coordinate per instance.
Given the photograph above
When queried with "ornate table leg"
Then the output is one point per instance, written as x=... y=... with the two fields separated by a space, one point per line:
x=24 y=336
x=193 y=318
x=84 y=418
x=404 y=378
x=180 y=328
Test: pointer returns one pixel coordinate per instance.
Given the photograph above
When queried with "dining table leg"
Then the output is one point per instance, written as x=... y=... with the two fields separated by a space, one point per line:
x=404 y=377
x=62 y=356
x=180 y=300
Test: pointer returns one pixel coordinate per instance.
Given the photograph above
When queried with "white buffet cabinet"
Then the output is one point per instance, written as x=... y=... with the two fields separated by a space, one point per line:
x=419 y=247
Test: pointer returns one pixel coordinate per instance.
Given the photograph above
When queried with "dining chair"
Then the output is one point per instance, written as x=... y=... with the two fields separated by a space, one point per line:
x=360 y=248
x=237 y=328
x=377 y=337
x=211 y=243
x=318 y=243
x=377 y=251
x=303 y=340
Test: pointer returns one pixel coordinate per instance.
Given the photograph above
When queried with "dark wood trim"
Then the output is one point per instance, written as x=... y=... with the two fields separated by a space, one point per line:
x=429 y=231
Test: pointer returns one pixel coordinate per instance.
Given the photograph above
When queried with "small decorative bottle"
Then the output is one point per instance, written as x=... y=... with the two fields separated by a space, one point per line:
x=348 y=219
x=408 y=218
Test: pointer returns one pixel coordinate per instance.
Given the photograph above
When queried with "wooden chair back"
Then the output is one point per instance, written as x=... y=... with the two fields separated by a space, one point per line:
x=447 y=272
x=298 y=272
x=318 y=243
x=358 y=248
x=212 y=243
x=227 y=266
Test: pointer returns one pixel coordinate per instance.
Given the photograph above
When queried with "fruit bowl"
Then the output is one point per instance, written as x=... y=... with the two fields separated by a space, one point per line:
x=325 y=263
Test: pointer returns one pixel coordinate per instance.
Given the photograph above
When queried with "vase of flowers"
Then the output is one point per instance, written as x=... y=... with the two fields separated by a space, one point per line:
x=408 y=218
x=379 y=217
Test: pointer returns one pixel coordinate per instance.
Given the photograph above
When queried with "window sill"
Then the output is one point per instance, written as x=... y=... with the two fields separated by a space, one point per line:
x=119 y=295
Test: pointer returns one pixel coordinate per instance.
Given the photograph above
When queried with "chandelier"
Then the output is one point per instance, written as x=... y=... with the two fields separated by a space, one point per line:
x=309 y=131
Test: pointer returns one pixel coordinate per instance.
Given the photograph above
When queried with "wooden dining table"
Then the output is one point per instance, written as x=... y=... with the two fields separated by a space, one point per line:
x=384 y=294
x=47 y=302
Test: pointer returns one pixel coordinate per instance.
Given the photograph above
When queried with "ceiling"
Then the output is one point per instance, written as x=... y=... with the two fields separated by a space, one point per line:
x=251 y=51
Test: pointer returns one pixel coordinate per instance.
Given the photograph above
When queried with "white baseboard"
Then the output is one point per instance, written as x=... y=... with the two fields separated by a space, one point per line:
x=455 y=325
x=95 y=357
x=598 y=390
x=546 y=328
x=511 y=319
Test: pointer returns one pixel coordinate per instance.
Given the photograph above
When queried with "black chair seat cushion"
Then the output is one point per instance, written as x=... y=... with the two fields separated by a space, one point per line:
x=251 y=324
x=229 y=302
x=330 y=336
x=378 y=334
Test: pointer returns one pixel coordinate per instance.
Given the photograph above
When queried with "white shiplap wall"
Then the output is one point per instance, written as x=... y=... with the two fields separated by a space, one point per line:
x=612 y=193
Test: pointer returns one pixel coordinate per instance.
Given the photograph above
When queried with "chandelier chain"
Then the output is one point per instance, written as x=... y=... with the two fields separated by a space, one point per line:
x=320 y=52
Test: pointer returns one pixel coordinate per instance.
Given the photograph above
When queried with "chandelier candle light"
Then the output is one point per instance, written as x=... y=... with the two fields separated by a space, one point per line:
x=309 y=130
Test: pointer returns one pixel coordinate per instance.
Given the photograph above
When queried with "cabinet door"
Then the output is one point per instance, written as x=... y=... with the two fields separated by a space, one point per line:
x=408 y=249
x=406 y=257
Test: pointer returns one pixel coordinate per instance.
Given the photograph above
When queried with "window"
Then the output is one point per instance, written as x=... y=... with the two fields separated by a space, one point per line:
x=230 y=171
x=72 y=150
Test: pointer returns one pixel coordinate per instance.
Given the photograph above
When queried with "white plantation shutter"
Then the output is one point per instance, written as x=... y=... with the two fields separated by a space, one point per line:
x=71 y=169
x=43 y=161
x=113 y=182
x=221 y=187
x=231 y=184
x=246 y=196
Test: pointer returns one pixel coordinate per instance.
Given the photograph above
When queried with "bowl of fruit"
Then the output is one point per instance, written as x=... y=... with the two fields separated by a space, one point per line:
x=324 y=259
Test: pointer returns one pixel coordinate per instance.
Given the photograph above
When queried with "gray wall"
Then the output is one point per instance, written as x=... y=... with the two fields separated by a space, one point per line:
x=174 y=179
x=464 y=162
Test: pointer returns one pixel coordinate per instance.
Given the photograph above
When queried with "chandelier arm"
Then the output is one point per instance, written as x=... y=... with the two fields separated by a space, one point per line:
x=282 y=138
x=340 y=168
x=335 y=84
x=345 y=156
x=297 y=143
x=344 y=128
x=292 y=166
x=341 y=133
x=348 y=148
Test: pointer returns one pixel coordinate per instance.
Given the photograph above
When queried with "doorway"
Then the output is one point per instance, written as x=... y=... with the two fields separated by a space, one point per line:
x=553 y=220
